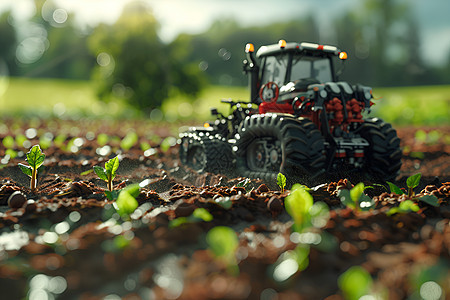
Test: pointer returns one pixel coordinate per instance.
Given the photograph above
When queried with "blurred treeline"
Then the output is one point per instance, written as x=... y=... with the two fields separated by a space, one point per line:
x=128 y=60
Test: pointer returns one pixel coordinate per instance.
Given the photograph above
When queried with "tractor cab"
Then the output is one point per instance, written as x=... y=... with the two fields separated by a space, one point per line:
x=280 y=72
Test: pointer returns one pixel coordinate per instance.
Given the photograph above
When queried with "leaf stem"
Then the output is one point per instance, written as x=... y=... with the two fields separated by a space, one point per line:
x=33 y=180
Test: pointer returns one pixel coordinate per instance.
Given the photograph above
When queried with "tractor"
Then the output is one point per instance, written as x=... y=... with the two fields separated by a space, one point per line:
x=300 y=121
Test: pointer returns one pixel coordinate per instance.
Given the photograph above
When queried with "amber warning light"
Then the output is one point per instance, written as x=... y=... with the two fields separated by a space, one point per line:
x=282 y=43
x=343 y=55
x=249 y=48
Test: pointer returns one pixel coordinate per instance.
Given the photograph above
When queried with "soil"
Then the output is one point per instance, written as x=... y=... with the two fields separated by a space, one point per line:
x=65 y=240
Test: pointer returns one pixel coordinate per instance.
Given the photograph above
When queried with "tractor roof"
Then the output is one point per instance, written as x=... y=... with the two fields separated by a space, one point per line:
x=306 y=48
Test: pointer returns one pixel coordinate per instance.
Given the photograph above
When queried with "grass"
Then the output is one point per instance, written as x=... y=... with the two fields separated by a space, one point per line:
x=423 y=105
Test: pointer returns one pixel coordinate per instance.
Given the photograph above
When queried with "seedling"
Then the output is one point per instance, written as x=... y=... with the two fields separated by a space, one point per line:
x=223 y=243
x=356 y=199
x=412 y=182
x=126 y=202
x=355 y=283
x=199 y=214
x=35 y=159
x=281 y=181
x=109 y=172
x=404 y=207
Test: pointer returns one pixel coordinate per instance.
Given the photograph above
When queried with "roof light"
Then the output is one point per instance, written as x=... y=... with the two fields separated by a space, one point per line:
x=343 y=55
x=282 y=43
x=206 y=125
x=249 y=48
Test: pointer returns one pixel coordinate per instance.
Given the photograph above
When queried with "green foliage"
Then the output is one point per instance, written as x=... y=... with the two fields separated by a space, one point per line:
x=430 y=199
x=126 y=202
x=355 y=283
x=109 y=172
x=8 y=142
x=281 y=181
x=412 y=182
x=355 y=198
x=223 y=243
x=134 y=65
x=35 y=159
x=394 y=189
x=129 y=140
x=199 y=214
x=298 y=204
x=404 y=207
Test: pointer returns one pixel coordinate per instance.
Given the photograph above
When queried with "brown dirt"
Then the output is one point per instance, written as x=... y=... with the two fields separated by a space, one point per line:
x=61 y=240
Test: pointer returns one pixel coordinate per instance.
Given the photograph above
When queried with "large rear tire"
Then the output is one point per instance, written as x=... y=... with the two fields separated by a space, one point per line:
x=272 y=143
x=383 y=157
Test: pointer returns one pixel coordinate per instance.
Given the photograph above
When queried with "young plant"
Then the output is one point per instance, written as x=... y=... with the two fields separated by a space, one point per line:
x=356 y=199
x=35 y=159
x=199 y=214
x=126 y=202
x=355 y=283
x=412 y=182
x=281 y=181
x=223 y=243
x=109 y=172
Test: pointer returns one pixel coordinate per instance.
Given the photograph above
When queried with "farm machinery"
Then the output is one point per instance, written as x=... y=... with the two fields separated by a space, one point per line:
x=300 y=121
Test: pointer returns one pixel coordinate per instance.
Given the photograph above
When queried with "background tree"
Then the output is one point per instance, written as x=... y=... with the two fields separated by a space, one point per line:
x=8 y=41
x=134 y=64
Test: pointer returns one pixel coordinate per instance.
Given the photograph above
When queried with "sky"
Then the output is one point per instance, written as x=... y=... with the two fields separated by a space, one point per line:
x=195 y=16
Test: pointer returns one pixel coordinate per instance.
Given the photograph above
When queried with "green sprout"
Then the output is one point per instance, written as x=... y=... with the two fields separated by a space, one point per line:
x=298 y=204
x=109 y=172
x=199 y=214
x=355 y=283
x=356 y=199
x=223 y=243
x=35 y=159
x=412 y=182
x=281 y=181
x=126 y=202
x=404 y=207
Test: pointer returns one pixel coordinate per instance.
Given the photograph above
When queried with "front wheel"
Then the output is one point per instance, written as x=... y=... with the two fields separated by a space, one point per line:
x=383 y=157
x=271 y=143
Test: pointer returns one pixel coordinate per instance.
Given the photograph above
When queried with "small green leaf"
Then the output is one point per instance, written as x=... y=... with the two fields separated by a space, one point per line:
x=394 y=189
x=413 y=181
x=100 y=173
x=8 y=142
x=203 y=214
x=430 y=199
x=298 y=204
x=356 y=192
x=86 y=172
x=366 y=203
x=355 y=283
x=111 y=166
x=133 y=190
x=404 y=207
x=346 y=199
x=223 y=242
x=281 y=181
x=112 y=195
x=25 y=169
x=12 y=153
x=126 y=204
x=35 y=157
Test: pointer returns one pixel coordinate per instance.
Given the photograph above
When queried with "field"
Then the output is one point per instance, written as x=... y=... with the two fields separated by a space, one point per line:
x=153 y=228
x=427 y=105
